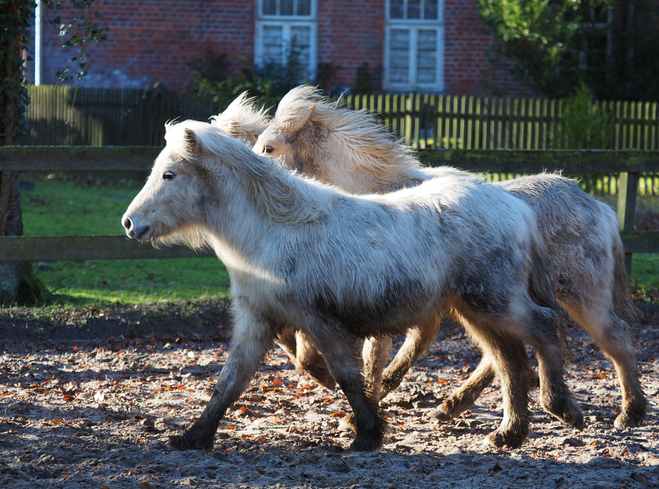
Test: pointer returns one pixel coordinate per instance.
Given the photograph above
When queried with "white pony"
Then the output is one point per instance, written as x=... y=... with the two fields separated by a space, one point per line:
x=340 y=267
x=314 y=136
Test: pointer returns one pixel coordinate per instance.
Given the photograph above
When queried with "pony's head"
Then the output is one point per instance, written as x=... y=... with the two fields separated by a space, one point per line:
x=242 y=120
x=315 y=136
x=182 y=187
x=204 y=179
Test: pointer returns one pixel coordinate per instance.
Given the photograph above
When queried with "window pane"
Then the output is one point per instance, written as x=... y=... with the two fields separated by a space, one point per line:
x=286 y=7
x=399 y=56
x=396 y=9
x=303 y=7
x=426 y=60
x=301 y=42
x=430 y=11
x=272 y=44
x=413 y=9
x=269 y=7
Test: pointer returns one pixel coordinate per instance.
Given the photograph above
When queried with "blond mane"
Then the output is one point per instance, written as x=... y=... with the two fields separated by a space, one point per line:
x=242 y=120
x=354 y=141
x=275 y=192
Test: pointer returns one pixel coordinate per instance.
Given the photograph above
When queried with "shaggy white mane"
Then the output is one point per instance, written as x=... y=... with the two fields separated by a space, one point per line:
x=285 y=198
x=370 y=147
x=242 y=120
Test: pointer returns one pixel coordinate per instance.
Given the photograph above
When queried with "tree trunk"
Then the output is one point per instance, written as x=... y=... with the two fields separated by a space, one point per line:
x=17 y=280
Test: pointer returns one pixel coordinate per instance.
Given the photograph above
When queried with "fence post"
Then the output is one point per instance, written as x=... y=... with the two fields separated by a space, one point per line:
x=627 y=190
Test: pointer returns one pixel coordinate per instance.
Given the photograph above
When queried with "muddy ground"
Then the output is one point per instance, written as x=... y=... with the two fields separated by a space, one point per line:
x=88 y=399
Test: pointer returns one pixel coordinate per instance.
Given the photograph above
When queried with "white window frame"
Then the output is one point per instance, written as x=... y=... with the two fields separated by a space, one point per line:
x=287 y=22
x=414 y=26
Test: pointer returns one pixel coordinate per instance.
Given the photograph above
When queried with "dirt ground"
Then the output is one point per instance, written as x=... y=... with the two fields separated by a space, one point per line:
x=89 y=398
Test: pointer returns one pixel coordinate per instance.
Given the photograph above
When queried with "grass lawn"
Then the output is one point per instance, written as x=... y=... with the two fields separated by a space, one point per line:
x=58 y=207
x=55 y=206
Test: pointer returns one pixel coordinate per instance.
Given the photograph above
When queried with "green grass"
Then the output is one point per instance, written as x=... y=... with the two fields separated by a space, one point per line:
x=59 y=207
x=85 y=206
x=645 y=273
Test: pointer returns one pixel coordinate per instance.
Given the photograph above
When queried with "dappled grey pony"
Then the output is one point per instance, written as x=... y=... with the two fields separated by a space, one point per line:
x=315 y=136
x=340 y=267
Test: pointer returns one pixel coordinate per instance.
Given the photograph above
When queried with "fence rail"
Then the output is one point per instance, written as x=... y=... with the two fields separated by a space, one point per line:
x=630 y=164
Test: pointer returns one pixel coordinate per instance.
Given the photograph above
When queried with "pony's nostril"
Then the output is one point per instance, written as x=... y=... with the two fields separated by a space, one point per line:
x=128 y=224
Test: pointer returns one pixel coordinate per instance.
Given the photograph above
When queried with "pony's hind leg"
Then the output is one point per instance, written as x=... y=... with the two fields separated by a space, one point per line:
x=611 y=334
x=469 y=392
x=540 y=329
x=340 y=352
x=510 y=361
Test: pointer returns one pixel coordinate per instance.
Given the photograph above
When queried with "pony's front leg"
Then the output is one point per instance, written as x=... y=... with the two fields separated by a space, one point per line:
x=309 y=360
x=341 y=355
x=304 y=354
x=250 y=342
x=375 y=355
x=417 y=341
x=462 y=399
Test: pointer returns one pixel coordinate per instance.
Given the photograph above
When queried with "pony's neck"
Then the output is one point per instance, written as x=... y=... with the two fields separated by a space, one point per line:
x=264 y=208
x=281 y=197
x=360 y=169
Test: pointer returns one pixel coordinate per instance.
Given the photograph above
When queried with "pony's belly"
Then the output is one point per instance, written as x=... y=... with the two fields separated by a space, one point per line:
x=384 y=315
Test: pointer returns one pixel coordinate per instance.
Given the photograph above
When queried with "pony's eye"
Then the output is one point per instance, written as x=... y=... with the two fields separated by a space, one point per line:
x=268 y=149
x=168 y=175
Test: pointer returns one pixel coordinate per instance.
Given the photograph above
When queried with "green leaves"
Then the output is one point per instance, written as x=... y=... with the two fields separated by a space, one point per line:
x=78 y=32
x=544 y=37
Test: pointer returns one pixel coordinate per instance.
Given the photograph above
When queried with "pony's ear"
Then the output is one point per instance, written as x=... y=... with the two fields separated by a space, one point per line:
x=295 y=124
x=191 y=140
x=232 y=128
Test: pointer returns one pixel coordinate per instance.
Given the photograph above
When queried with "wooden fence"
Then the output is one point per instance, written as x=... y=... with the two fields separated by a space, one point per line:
x=66 y=116
x=461 y=122
x=630 y=164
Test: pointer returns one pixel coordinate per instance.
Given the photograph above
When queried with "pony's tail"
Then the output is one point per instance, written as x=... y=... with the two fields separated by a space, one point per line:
x=541 y=290
x=623 y=306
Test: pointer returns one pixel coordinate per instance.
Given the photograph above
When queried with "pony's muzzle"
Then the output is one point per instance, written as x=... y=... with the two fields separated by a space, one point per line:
x=134 y=229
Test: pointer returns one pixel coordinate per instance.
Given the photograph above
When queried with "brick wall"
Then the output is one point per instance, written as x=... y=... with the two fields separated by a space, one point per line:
x=350 y=33
x=155 y=40
x=470 y=63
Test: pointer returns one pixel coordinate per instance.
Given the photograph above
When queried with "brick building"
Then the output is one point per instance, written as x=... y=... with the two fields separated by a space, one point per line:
x=438 y=46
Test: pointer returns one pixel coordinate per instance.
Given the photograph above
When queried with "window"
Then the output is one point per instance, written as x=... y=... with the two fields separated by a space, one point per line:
x=285 y=24
x=596 y=42
x=414 y=45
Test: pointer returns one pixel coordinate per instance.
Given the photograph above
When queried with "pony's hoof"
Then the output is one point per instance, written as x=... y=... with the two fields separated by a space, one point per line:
x=577 y=421
x=510 y=439
x=347 y=423
x=568 y=411
x=629 y=418
x=440 y=414
x=364 y=443
x=321 y=375
x=185 y=443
